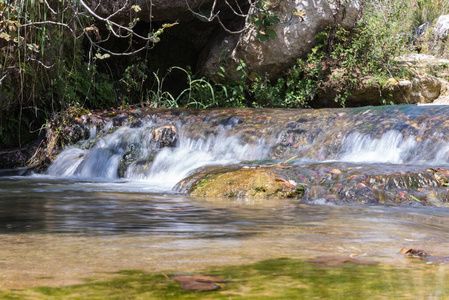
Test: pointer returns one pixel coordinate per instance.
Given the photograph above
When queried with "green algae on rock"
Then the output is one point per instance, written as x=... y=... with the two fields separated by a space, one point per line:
x=332 y=182
x=246 y=182
x=282 y=278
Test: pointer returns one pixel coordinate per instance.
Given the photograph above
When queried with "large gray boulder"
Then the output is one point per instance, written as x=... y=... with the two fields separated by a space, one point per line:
x=440 y=37
x=441 y=29
x=295 y=37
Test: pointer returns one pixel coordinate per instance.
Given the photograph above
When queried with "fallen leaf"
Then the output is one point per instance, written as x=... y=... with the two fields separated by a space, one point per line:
x=287 y=183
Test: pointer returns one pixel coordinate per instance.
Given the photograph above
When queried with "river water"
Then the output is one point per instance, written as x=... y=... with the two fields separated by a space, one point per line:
x=79 y=222
x=56 y=232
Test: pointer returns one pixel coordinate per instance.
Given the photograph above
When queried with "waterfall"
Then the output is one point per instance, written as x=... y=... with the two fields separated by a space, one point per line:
x=162 y=167
x=391 y=147
x=166 y=148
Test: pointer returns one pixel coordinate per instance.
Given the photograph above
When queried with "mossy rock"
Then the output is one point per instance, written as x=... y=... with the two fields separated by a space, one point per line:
x=246 y=182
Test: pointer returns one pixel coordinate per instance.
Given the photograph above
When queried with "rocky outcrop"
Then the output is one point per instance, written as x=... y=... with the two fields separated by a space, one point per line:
x=441 y=29
x=441 y=37
x=427 y=83
x=295 y=37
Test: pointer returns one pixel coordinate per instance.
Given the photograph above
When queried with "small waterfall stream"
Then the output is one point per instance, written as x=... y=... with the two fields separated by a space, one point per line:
x=134 y=153
x=165 y=151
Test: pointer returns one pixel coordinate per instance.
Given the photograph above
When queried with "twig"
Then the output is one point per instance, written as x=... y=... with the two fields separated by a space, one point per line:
x=111 y=24
x=3 y=78
x=41 y=63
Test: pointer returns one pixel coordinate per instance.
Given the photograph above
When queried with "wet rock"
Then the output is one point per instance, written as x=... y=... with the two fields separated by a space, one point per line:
x=441 y=175
x=292 y=136
x=230 y=122
x=166 y=136
x=336 y=183
x=242 y=183
x=423 y=256
x=413 y=252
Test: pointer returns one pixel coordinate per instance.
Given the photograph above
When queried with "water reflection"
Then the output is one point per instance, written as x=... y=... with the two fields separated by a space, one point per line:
x=111 y=208
x=80 y=228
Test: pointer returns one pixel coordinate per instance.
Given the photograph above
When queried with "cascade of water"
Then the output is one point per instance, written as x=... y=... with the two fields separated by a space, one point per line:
x=173 y=164
x=391 y=147
x=404 y=135
x=163 y=167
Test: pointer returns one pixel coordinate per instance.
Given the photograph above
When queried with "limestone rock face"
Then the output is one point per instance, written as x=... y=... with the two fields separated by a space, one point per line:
x=440 y=37
x=441 y=29
x=295 y=37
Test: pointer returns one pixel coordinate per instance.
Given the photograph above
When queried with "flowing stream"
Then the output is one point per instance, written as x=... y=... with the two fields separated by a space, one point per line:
x=109 y=202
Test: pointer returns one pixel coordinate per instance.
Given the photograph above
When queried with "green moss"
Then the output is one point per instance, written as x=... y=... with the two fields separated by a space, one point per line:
x=282 y=278
x=247 y=183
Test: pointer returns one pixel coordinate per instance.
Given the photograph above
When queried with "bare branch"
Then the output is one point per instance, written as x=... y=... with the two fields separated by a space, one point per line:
x=51 y=9
x=216 y=15
x=241 y=14
x=112 y=24
x=119 y=10
x=41 y=63
x=124 y=53
x=3 y=78
x=201 y=16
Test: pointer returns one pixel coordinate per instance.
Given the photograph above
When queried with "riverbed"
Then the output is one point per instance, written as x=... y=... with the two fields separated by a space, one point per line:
x=59 y=232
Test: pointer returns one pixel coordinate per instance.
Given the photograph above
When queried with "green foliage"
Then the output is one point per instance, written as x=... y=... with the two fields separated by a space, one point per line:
x=132 y=82
x=44 y=68
x=200 y=93
x=262 y=19
x=82 y=87
x=428 y=10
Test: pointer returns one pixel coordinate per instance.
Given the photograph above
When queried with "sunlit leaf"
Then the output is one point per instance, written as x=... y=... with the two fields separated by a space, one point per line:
x=5 y=36
x=33 y=47
x=136 y=8
x=169 y=25
x=104 y=56
x=300 y=13
x=91 y=28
